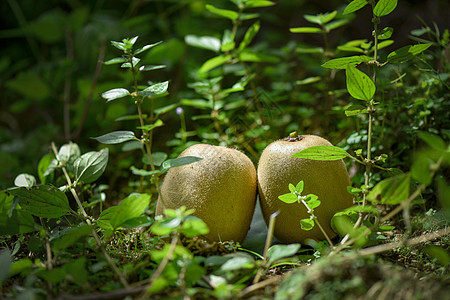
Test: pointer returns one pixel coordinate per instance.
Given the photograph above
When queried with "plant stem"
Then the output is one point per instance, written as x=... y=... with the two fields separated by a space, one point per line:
x=311 y=212
x=108 y=258
x=161 y=266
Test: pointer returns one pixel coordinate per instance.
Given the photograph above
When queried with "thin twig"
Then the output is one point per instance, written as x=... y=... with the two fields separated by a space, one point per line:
x=408 y=243
x=259 y=285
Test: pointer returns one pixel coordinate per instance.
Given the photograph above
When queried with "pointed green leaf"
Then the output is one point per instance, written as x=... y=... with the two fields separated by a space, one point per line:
x=146 y=47
x=249 y=56
x=336 y=24
x=291 y=188
x=151 y=67
x=355 y=109
x=43 y=166
x=156 y=89
x=90 y=166
x=420 y=170
x=131 y=207
x=393 y=190
x=42 y=201
x=176 y=162
x=354 y=6
x=258 y=3
x=406 y=53
x=134 y=61
x=307 y=224
x=288 y=198
x=359 y=85
x=277 y=252
x=299 y=187
x=434 y=141
x=115 y=94
x=116 y=137
x=158 y=123
x=117 y=60
x=205 y=42
x=386 y=33
x=305 y=30
x=384 y=7
x=194 y=226
x=322 y=153
x=321 y=19
x=214 y=62
x=230 y=14
x=341 y=63
x=249 y=35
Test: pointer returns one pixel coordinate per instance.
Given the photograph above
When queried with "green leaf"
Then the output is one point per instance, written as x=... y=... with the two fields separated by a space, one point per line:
x=314 y=203
x=151 y=67
x=116 y=137
x=194 y=226
x=131 y=207
x=288 y=198
x=305 y=30
x=134 y=61
x=308 y=80
x=434 y=141
x=25 y=180
x=341 y=63
x=90 y=166
x=5 y=262
x=420 y=170
x=406 y=53
x=141 y=172
x=277 y=252
x=43 y=166
x=43 y=201
x=322 y=152
x=180 y=161
x=104 y=220
x=291 y=188
x=442 y=256
x=149 y=127
x=115 y=94
x=214 y=62
x=142 y=221
x=71 y=237
x=238 y=262
x=336 y=24
x=321 y=19
x=119 y=45
x=68 y=153
x=299 y=187
x=204 y=42
x=355 y=110
x=384 y=7
x=344 y=226
x=258 y=3
x=165 y=226
x=307 y=224
x=229 y=14
x=383 y=44
x=354 y=6
x=117 y=60
x=158 y=158
x=393 y=190
x=249 y=35
x=249 y=56
x=386 y=33
x=76 y=270
x=156 y=89
x=359 y=85
x=146 y=47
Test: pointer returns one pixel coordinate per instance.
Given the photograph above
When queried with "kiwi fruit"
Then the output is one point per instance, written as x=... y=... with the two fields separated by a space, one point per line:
x=326 y=179
x=221 y=188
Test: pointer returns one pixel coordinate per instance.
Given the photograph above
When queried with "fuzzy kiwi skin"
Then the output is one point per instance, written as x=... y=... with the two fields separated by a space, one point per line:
x=221 y=188
x=326 y=179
